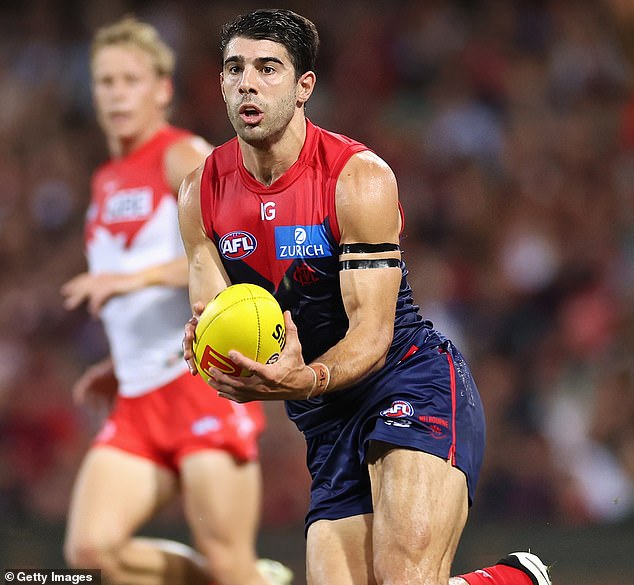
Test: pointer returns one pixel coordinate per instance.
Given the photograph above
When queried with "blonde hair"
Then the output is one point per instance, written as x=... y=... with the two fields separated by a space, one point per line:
x=130 y=31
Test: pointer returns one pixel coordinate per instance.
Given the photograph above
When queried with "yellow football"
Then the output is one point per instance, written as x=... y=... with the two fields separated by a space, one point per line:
x=242 y=317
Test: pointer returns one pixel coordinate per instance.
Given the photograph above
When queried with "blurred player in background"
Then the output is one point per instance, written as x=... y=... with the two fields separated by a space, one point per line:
x=391 y=414
x=166 y=431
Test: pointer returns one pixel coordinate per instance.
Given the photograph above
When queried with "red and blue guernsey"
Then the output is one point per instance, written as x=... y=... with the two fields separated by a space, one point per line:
x=285 y=238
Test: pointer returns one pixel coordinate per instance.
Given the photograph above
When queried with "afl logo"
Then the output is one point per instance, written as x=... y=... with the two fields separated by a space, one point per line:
x=237 y=245
x=399 y=409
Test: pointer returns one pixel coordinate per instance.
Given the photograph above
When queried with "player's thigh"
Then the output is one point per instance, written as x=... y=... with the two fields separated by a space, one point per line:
x=221 y=497
x=340 y=552
x=420 y=508
x=115 y=492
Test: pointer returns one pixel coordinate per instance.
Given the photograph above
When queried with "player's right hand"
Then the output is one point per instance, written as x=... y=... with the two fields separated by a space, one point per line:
x=189 y=336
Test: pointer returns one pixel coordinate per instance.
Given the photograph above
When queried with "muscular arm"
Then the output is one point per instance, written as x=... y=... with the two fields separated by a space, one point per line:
x=368 y=213
x=97 y=289
x=207 y=276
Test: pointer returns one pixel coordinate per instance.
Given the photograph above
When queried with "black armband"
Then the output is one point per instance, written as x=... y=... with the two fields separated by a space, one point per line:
x=365 y=264
x=368 y=248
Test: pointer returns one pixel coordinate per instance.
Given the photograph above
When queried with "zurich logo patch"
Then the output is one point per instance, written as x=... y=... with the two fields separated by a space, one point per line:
x=237 y=245
x=297 y=241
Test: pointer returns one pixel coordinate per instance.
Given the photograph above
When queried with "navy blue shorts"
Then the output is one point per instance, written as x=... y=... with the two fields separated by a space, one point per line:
x=425 y=399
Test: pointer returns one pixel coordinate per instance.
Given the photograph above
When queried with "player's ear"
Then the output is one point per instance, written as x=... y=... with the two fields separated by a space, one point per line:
x=165 y=91
x=305 y=86
x=222 y=88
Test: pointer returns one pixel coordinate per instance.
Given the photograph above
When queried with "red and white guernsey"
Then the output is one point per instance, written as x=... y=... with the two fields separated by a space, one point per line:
x=132 y=224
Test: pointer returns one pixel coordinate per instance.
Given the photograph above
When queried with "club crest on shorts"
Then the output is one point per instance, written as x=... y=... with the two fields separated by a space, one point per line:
x=205 y=425
x=438 y=427
x=398 y=409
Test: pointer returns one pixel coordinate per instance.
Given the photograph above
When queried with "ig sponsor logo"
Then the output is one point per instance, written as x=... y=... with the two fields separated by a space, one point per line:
x=267 y=210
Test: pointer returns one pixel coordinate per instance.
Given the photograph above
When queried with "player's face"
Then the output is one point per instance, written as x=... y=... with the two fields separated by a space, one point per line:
x=260 y=90
x=129 y=96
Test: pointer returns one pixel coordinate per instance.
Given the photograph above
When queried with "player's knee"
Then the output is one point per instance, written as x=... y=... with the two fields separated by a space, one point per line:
x=80 y=556
x=227 y=564
x=88 y=554
x=405 y=558
x=221 y=562
x=405 y=572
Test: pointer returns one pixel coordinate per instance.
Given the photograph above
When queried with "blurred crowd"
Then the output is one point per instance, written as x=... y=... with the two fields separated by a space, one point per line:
x=510 y=125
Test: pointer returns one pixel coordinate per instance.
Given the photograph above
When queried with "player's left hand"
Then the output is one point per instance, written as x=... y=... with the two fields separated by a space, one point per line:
x=189 y=336
x=96 y=289
x=287 y=379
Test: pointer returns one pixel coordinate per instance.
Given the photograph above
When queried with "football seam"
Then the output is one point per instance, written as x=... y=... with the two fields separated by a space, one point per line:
x=259 y=346
x=224 y=311
x=237 y=302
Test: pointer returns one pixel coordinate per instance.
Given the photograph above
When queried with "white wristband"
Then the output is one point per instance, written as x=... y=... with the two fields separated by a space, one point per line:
x=321 y=379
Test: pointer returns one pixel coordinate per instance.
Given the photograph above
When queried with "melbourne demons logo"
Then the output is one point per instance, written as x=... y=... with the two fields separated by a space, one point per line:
x=438 y=427
x=305 y=275
x=237 y=245
x=399 y=409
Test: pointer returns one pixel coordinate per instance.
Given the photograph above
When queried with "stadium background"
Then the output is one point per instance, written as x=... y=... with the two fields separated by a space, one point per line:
x=510 y=125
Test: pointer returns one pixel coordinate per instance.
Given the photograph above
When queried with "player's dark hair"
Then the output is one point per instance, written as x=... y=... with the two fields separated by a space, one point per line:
x=297 y=34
